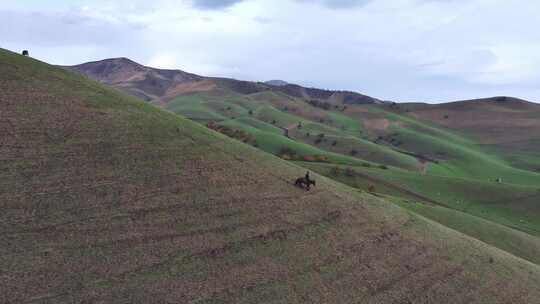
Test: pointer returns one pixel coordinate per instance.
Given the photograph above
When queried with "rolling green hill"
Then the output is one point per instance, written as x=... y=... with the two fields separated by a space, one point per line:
x=476 y=157
x=105 y=198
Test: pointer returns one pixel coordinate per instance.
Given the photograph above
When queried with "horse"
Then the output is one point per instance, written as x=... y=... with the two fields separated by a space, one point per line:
x=303 y=182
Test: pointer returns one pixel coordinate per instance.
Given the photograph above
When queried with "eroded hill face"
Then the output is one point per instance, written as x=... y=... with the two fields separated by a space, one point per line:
x=107 y=199
x=503 y=125
x=499 y=120
x=161 y=86
x=144 y=82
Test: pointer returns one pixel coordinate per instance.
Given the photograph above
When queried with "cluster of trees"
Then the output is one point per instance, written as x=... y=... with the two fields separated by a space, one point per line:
x=233 y=133
x=319 y=104
x=325 y=105
x=290 y=154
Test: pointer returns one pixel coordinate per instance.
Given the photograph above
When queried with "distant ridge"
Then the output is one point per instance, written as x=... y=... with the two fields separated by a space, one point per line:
x=161 y=86
x=277 y=83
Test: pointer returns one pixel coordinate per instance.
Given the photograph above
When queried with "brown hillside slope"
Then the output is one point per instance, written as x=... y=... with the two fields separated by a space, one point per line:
x=147 y=83
x=106 y=199
x=505 y=126
x=497 y=120
x=161 y=86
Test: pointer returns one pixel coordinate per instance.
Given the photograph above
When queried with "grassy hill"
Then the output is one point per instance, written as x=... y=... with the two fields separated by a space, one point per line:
x=105 y=198
x=440 y=164
x=476 y=157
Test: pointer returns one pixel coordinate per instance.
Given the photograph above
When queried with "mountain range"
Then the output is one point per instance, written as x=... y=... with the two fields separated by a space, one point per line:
x=161 y=86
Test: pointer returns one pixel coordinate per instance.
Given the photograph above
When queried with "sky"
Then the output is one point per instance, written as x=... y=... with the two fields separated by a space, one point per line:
x=400 y=50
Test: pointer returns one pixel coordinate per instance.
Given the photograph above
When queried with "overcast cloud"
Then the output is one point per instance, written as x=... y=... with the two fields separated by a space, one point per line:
x=403 y=50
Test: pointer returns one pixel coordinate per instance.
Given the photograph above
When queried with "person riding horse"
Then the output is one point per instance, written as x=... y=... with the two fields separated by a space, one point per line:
x=304 y=182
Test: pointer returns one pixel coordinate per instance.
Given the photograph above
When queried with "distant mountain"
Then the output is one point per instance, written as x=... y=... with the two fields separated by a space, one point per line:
x=277 y=83
x=144 y=82
x=161 y=86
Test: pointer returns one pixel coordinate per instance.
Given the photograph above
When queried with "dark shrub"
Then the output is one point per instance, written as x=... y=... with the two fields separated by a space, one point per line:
x=287 y=153
x=320 y=104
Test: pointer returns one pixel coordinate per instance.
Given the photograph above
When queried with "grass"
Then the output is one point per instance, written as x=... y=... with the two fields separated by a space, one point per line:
x=506 y=204
x=518 y=243
x=142 y=205
x=464 y=179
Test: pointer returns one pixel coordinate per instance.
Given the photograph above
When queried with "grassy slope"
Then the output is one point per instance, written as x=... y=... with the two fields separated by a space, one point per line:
x=507 y=204
x=268 y=116
x=468 y=169
x=464 y=181
x=107 y=199
x=463 y=157
x=516 y=242
x=492 y=213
